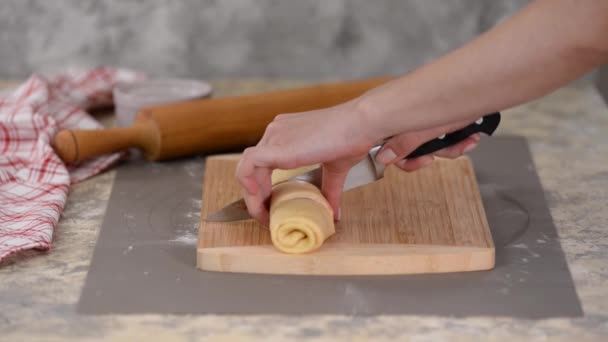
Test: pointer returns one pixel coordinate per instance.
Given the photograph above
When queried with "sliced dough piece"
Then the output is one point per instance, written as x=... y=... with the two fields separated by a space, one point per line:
x=300 y=217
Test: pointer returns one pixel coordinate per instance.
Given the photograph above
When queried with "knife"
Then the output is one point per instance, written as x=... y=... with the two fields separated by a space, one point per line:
x=368 y=170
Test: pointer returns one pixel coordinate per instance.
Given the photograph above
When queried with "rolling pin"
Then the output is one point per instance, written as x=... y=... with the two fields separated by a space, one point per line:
x=204 y=126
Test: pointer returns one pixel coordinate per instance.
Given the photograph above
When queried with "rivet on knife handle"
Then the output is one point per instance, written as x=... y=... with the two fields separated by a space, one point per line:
x=486 y=124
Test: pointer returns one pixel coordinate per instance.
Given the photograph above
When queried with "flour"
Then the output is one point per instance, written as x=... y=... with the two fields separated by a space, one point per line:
x=129 y=249
x=197 y=203
x=531 y=252
x=193 y=170
x=186 y=238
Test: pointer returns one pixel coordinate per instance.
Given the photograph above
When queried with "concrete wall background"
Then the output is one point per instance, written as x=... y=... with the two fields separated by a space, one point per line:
x=602 y=82
x=308 y=39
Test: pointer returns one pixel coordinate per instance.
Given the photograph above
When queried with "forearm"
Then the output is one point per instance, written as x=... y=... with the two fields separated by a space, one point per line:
x=546 y=45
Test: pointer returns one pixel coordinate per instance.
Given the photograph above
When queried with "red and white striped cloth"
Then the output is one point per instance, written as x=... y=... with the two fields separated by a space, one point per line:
x=34 y=182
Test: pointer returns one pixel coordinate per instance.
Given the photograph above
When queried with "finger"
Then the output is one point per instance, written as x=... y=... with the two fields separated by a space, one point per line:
x=263 y=177
x=256 y=207
x=260 y=157
x=332 y=185
x=454 y=151
x=254 y=174
x=399 y=146
x=245 y=171
x=410 y=165
x=394 y=149
x=459 y=149
x=283 y=116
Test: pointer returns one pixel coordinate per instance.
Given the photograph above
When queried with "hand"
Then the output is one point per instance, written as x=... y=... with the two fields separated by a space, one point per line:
x=337 y=138
x=397 y=148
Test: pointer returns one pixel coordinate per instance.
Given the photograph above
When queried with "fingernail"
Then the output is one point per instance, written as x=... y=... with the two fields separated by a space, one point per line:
x=469 y=148
x=402 y=162
x=476 y=137
x=386 y=156
x=339 y=216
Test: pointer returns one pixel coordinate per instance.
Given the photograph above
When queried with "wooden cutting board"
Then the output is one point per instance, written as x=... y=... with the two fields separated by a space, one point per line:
x=428 y=221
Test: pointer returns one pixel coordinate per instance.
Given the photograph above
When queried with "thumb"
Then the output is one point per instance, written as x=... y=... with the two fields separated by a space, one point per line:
x=332 y=185
x=399 y=146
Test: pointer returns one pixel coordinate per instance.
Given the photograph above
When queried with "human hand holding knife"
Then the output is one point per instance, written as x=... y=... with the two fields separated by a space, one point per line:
x=368 y=170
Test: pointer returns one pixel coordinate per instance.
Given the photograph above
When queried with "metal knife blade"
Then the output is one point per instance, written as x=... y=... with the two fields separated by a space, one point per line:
x=367 y=170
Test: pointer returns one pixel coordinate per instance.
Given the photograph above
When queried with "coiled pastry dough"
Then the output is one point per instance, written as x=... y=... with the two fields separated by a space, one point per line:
x=300 y=217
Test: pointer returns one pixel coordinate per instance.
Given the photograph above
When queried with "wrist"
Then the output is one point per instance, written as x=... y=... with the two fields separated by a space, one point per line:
x=370 y=117
x=395 y=108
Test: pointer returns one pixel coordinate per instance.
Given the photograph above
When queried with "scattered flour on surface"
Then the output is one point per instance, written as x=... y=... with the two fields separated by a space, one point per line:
x=186 y=238
x=197 y=203
x=524 y=246
x=193 y=170
x=129 y=249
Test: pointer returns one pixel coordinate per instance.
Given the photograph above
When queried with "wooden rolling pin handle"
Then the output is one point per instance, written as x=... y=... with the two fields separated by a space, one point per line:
x=204 y=126
x=75 y=146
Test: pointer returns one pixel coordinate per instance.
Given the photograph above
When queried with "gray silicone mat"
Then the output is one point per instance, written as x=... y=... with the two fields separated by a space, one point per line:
x=144 y=261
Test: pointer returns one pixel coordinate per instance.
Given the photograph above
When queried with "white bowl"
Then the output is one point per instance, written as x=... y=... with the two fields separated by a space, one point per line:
x=129 y=98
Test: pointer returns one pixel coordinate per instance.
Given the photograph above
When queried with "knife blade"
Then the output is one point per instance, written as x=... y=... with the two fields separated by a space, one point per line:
x=367 y=170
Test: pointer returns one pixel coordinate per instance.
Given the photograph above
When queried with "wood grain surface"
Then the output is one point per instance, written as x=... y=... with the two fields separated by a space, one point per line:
x=427 y=221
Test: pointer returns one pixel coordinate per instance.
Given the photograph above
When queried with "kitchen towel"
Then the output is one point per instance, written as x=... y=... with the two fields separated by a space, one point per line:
x=34 y=182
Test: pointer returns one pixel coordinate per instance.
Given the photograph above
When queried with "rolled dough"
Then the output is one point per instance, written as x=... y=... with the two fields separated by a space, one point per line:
x=300 y=217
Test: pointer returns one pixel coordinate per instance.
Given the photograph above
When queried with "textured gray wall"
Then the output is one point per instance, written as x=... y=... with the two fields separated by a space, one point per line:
x=239 y=38
x=602 y=82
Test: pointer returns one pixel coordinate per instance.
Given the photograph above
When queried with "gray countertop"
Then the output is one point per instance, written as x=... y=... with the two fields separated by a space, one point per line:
x=567 y=131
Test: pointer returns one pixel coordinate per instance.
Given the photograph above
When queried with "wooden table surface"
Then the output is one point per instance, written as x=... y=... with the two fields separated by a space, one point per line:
x=568 y=136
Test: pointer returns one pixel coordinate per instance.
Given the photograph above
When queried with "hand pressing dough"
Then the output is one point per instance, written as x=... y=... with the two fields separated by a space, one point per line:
x=300 y=217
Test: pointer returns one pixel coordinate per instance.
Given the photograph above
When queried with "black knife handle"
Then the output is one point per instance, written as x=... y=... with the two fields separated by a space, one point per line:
x=486 y=124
